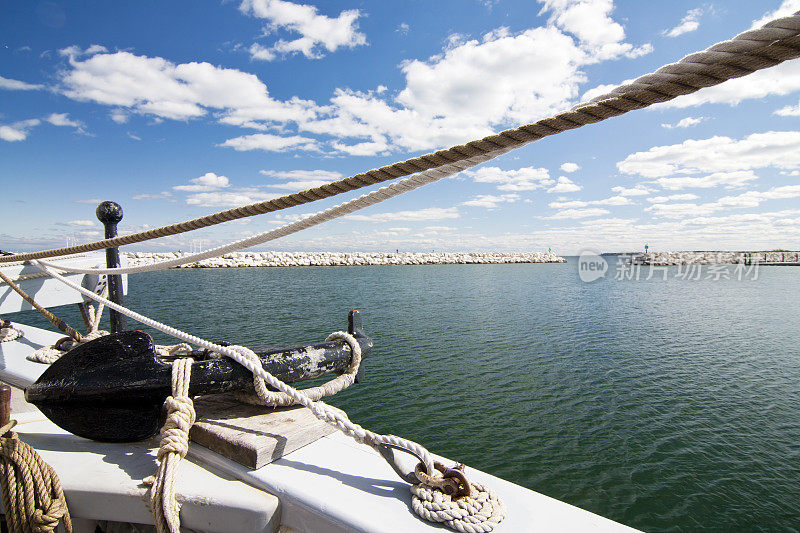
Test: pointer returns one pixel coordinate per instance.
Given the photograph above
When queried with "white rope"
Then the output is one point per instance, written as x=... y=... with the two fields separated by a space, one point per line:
x=375 y=197
x=479 y=512
x=174 y=446
x=336 y=418
x=265 y=396
x=9 y=333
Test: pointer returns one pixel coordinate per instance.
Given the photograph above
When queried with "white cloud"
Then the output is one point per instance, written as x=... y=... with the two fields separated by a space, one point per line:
x=228 y=199
x=522 y=179
x=18 y=131
x=147 y=196
x=730 y=180
x=76 y=51
x=318 y=33
x=80 y=223
x=637 y=190
x=16 y=85
x=564 y=185
x=748 y=199
x=787 y=7
x=155 y=86
x=403 y=28
x=779 y=149
x=579 y=213
x=297 y=180
x=685 y=123
x=430 y=213
x=689 y=23
x=472 y=88
x=120 y=116
x=570 y=167
x=271 y=143
x=490 y=201
x=207 y=182
x=672 y=198
x=590 y=21
x=62 y=119
x=571 y=204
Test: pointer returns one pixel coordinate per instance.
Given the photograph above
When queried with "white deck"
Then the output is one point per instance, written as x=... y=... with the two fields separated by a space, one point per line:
x=49 y=292
x=331 y=485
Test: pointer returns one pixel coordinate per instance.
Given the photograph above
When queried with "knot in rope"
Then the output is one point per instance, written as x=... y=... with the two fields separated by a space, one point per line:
x=173 y=447
x=175 y=433
x=265 y=396
x=32 y=496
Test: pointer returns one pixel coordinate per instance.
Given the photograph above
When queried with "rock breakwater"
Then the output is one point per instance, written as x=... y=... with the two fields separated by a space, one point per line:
x=287 y=259
x=714 y=258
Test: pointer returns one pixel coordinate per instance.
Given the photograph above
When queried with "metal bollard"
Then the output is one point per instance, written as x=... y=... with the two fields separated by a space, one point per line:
x=110 y=213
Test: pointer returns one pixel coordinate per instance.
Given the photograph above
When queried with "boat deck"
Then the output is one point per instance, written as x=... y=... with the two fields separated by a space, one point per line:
x=331 y=485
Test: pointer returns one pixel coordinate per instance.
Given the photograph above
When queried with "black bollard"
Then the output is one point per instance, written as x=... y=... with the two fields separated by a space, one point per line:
x=110 y=213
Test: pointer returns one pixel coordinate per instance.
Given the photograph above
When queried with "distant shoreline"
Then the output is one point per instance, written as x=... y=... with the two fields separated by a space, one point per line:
x=292 y=259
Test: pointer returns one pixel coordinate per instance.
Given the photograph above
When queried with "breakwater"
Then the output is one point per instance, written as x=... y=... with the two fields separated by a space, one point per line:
x=714 y=258
x=288 y=259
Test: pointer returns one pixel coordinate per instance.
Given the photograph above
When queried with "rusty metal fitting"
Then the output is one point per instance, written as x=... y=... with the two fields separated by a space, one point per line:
x=453 y=481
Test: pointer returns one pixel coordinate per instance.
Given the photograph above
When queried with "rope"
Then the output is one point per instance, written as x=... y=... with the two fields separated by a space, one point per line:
x=8 y=332
x=174 y=446
x=57 y=322
x=478 y=513
x=375 y=197
x=32 y=495
x=280 y=399
x=775 y=42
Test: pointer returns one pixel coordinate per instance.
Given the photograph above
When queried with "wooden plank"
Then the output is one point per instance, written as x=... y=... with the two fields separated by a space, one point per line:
x=253 y=435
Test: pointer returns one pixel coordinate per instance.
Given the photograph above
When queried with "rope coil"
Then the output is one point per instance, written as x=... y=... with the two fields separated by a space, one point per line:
x=32 y=496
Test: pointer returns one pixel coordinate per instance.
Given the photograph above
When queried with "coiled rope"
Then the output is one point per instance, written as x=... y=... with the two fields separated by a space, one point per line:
x=753 y=50
x=32 y=495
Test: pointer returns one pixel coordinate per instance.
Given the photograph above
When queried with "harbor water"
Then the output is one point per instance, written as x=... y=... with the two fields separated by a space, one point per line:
x=667 y=404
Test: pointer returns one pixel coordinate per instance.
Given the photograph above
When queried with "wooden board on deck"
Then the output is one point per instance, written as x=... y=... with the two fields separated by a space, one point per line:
x=253 y=435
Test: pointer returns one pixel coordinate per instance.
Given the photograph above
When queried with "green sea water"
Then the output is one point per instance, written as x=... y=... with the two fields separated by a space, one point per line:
x=665 y=404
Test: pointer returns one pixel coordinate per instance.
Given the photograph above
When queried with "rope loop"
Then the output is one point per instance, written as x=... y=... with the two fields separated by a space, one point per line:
x=270 y=398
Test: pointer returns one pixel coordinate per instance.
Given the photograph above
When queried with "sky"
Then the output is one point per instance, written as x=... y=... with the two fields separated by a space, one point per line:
x=179 y=109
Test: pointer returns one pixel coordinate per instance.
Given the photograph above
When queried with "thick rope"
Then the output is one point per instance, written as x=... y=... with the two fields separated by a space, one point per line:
x=265 y=396
x=373 y=198
x=775 y=42
x=174 y=446
x=32 y=495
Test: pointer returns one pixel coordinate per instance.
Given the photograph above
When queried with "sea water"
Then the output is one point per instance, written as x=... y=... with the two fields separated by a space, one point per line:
x=668 y=403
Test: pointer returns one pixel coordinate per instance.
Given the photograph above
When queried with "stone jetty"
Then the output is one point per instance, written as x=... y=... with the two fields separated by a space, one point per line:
x=289 y=259
x=715 y=258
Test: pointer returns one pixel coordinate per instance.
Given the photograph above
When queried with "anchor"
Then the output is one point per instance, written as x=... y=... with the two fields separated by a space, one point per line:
x=112 y=389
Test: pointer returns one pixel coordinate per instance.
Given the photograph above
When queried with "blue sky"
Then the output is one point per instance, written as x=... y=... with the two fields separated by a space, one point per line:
x=179 y=109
